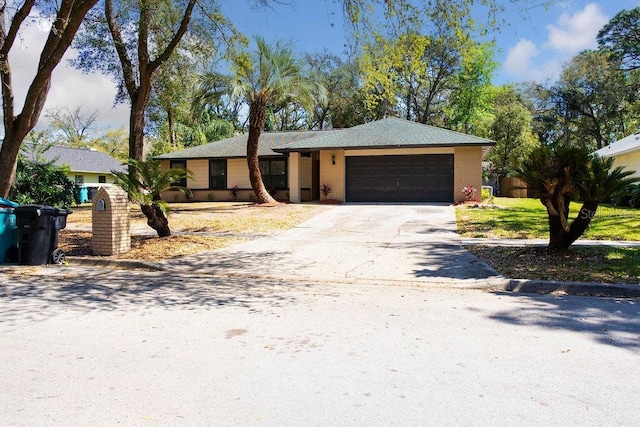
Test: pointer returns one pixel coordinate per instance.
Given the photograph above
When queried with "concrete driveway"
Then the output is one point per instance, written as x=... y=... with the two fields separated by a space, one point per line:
x=355 y=243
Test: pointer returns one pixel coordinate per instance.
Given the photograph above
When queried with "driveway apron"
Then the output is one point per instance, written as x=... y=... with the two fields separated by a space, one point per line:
x=353 y=242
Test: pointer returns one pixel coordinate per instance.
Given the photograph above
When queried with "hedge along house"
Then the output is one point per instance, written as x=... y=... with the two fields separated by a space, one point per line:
x=390 y=160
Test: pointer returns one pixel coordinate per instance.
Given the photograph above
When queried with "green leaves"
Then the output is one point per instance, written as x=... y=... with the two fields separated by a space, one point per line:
x=564 y=173
x=146 y=181
x=621 y=38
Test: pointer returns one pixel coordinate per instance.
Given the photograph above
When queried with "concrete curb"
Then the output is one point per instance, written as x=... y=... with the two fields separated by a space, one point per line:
x=126 y=264
x=611 y=290
x=573 y=288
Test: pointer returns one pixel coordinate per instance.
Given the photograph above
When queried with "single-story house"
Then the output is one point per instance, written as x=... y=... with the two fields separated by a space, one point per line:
x=88 y=168
x=625 y=153
x=389 y=160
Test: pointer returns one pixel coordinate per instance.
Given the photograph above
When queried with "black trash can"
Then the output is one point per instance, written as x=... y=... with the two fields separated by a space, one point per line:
x=38 y=227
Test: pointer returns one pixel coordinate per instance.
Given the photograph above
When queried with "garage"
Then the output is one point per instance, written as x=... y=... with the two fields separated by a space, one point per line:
x=400 y=178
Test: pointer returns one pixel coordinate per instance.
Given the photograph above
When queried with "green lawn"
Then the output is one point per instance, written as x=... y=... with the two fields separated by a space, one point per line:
x=527 y=219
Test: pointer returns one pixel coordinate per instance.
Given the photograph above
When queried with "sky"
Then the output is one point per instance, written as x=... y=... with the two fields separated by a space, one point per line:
x=532 y=44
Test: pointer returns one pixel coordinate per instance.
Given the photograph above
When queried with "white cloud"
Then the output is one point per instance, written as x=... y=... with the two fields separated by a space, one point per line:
x=69 y=87
x=575 y=32
x=570 y=34
x=520 y=62
x=520 y=57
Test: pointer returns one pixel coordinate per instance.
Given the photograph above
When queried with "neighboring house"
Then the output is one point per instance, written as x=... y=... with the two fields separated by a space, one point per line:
x=625 y=153
x=88 y=168
x=390 y=160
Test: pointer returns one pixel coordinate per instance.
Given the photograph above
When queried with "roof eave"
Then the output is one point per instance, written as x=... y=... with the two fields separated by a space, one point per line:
x=382 y=147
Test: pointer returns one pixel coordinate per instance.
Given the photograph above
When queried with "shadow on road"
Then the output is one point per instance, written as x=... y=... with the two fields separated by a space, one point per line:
x=28 y=297
x=614 y=322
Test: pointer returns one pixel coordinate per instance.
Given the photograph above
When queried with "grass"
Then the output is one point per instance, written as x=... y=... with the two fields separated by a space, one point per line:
x=527 y=219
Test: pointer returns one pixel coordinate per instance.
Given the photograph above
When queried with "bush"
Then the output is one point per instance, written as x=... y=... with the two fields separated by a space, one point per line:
x=487 y=195
x=630 y=199
x=53 y=188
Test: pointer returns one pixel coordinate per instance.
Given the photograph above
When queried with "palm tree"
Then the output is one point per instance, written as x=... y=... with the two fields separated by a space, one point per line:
x=267 y=78
x=145 y=185
x=565 y=173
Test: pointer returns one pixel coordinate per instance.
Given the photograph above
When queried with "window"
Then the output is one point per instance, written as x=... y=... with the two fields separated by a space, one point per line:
x=175 y=164
x=102 y=179
x=217 y=174
x=274 y=173
x=79 y=179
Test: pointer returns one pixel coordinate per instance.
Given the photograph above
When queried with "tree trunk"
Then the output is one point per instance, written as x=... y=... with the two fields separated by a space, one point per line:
x=581 y=222
x=8 y=161
x=69 y=16
x=172 y=136
x=558 y=235
x=257 y=118
x=156 y=219
x=559 y=238
x=136 y=119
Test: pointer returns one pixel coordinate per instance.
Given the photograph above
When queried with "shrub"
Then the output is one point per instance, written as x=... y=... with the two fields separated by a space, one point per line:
x=234 y=192
x=53 y=187
x=325 y=189
x=630 y=199
x=487 y=195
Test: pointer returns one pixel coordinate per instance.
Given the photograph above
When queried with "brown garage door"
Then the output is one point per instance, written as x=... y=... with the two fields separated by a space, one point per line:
x=419 y=178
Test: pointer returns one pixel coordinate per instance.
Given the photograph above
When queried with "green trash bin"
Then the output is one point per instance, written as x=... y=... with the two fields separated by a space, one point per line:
x=38 y=227
x=8 y=232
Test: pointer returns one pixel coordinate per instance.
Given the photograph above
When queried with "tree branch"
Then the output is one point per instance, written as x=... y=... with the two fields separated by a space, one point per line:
x=166 y=53
x=6 y=42
x=118 y=41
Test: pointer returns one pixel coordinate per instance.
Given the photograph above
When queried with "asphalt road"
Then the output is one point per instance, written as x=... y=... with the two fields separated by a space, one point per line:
x=82 y=346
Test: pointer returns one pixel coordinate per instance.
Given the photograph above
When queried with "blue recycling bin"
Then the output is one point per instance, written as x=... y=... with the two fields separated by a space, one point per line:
x=81 y=195
x=8 y=232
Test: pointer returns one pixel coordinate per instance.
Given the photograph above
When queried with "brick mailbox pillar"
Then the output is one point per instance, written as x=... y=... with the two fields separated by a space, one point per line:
x=110 y=219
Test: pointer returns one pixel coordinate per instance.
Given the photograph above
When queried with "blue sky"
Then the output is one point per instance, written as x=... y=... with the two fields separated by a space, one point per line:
x=533 y=45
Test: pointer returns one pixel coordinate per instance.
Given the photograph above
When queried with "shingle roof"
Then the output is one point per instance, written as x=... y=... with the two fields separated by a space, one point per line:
x=387 y=133
x=83 y=160
x=236 y=146
x=625 y=145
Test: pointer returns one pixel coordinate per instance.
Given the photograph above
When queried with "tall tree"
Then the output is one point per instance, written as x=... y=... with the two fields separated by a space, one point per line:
x=511 y=129
x=598 y=96
x=470 y=99
x=72 y=125
x=345 y=99
x=144 y=34
x=65 y=18
x=265 y=79
x=621 y=38
x=269 y=76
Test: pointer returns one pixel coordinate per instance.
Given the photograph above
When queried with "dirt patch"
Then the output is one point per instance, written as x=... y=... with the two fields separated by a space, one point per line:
x=578 y=264
x=199 y=227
